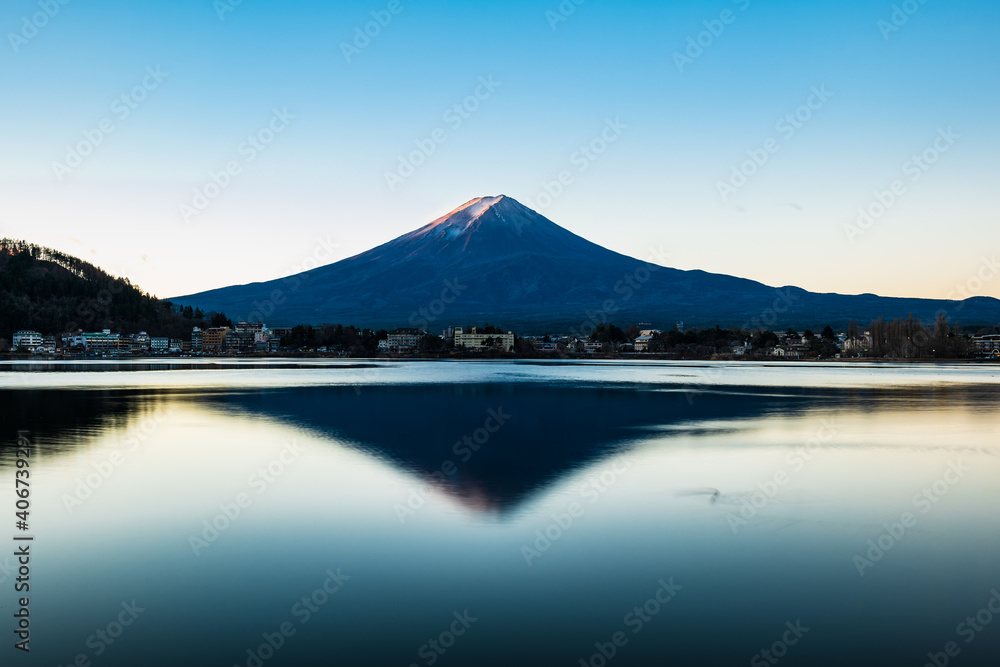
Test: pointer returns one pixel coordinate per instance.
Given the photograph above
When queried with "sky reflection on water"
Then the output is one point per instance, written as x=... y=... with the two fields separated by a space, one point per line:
x=594 y=488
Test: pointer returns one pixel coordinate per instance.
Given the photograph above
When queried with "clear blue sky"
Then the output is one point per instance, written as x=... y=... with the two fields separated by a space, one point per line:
x=678 y=129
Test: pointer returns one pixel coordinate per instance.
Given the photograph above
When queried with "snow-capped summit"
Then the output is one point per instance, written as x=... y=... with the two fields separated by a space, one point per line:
x=463 y=218
x=492 y=229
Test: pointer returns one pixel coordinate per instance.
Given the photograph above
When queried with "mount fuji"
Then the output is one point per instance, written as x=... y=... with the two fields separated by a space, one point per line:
x=493 y=259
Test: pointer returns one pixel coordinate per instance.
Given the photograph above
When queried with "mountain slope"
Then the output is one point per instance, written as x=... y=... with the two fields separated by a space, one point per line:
x=52 y=292
x=497 y=260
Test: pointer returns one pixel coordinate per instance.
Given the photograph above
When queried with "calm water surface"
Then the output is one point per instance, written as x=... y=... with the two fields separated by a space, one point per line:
x=442 y=513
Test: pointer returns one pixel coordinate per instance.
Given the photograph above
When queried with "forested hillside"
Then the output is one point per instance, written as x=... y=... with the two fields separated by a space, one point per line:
x=48 y=291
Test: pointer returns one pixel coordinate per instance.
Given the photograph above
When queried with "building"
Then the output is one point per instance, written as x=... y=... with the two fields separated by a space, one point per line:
x=196 y=334
x=641 y=343
x=987 y=346
x=402 y=340
x=177 y=345
x=474 y=340
x=48 y=345
x=158 y=345
x=240 y=341
x=857 y=346
x=214 y=339
x=103 y=342
x=27 y=340
x=75 y=341
x=796 y=349
x=742 y=350
x=252 y=327
x=138 y=343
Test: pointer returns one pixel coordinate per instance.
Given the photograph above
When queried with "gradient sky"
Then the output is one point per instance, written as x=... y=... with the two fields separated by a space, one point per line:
x=319 y=190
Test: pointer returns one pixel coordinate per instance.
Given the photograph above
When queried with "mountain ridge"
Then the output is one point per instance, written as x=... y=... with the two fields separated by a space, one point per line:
x=495 y=259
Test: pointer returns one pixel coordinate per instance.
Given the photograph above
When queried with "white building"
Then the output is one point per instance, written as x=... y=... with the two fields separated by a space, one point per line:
x=645 y=336
x=741 y=350
x=474 y=340
x=402 y=340
x=76 y=340
x=27 y=340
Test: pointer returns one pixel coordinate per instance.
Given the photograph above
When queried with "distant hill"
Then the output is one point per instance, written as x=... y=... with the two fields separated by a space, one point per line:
x=495 y=260
x=48 y=291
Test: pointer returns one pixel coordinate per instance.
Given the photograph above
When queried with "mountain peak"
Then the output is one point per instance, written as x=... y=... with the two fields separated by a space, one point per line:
x=474 y=208
x=485 y=229
x=478 y=213
x=498 y=260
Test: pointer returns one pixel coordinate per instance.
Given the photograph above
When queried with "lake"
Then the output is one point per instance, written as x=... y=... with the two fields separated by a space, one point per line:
x=504 y=513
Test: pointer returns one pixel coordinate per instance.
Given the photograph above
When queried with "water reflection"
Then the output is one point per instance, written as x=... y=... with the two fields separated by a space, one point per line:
x=489 y=445
x=696 y=455
x=493 y=445
x=59 y=418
